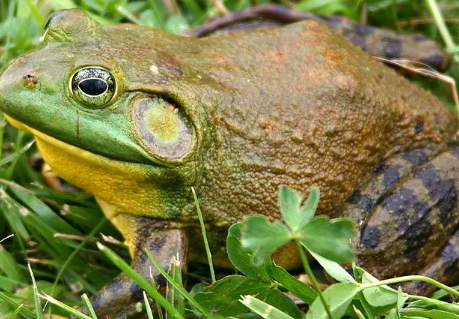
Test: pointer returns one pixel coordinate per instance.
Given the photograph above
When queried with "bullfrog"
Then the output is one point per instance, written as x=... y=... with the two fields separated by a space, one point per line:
x=138 y=117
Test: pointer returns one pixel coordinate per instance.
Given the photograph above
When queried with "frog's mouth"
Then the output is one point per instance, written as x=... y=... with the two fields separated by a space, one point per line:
x=118 y=186
x=63 y=156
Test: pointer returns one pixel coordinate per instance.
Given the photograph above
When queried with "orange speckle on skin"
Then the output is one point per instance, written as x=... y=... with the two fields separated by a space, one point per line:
x=298 y=88
x=269 y=125
x=333 y=58
x=276 y=55
x=317 y=75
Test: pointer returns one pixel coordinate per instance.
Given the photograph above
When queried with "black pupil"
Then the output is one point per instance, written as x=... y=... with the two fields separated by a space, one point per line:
x=93 y=86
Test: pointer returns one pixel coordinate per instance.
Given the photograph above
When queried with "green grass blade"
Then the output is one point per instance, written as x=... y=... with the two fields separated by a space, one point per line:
x=9 y=266
x=88 y=306
x=174 y=296
x=177 y=286
x=36 y=296
x=63 y=306
x=14 y=156
x=204 y=235
x=26 y=313
x=263 y=309
x=77 y=250
x=151 y=290
x=440 y=22
x=147 y=305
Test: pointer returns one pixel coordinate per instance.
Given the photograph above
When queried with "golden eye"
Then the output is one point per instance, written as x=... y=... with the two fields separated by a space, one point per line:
x=93 y=87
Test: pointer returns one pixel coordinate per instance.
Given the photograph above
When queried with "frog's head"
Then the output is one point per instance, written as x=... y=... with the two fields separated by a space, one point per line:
x=109 y=98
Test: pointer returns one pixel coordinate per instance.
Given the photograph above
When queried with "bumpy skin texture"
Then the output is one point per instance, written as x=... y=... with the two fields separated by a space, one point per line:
x=376 y=41
x=296 y=106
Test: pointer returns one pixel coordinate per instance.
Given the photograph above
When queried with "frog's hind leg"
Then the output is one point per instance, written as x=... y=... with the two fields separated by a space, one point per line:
x=445 y=268
x=407 y=213
x=119 y=298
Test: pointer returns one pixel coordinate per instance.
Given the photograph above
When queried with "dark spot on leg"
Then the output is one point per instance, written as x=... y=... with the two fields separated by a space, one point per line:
x=114 y=286
x=442 y=192
x=334 y=21
x=142 y=259
x=96 y=301
x=355 y=39
x=370 y=237
x=449 y=259
x=400 y=202
x=436 y=61
x=420 y=285
x=392 y=47
x=429 y=177
x=366 y=203
x=158 y=243
x=418 y=125
x=364 y=29
x=155 y=246
x=447 y=202
x=390 y=173
x=416 y=237
x=160 y=280
x=420 y=38
x=136 y=292
x=413 y=219
x=455 y=152
x=416 y=157
x=354 y=197
x=360 y=200
x=379 y=169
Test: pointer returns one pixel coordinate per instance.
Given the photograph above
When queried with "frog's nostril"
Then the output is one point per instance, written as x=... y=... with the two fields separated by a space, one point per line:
x=30 y=80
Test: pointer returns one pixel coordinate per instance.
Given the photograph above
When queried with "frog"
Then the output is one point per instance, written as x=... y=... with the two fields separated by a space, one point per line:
x=139 y=121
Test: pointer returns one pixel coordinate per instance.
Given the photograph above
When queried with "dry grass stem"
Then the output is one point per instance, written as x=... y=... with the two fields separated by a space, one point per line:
x=427 y=71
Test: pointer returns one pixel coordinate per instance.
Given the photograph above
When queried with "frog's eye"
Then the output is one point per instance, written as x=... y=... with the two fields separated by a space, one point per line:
x=93 y=87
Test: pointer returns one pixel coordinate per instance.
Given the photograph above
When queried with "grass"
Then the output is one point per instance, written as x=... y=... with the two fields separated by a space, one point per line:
x=68 y=264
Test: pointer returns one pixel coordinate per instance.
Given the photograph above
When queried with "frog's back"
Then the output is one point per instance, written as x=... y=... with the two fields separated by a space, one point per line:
x=300 y=106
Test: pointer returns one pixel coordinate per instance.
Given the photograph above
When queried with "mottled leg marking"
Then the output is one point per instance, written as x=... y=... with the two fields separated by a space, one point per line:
x=407 y=215
x=118 y=299
x=444 y=268
x=385 y=176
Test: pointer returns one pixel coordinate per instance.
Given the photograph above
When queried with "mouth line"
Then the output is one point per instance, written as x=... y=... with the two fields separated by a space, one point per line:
x=64 y=146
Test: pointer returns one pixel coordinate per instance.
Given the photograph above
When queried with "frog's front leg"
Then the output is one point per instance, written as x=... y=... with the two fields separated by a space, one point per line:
x=119 y=298
x=407 y=214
